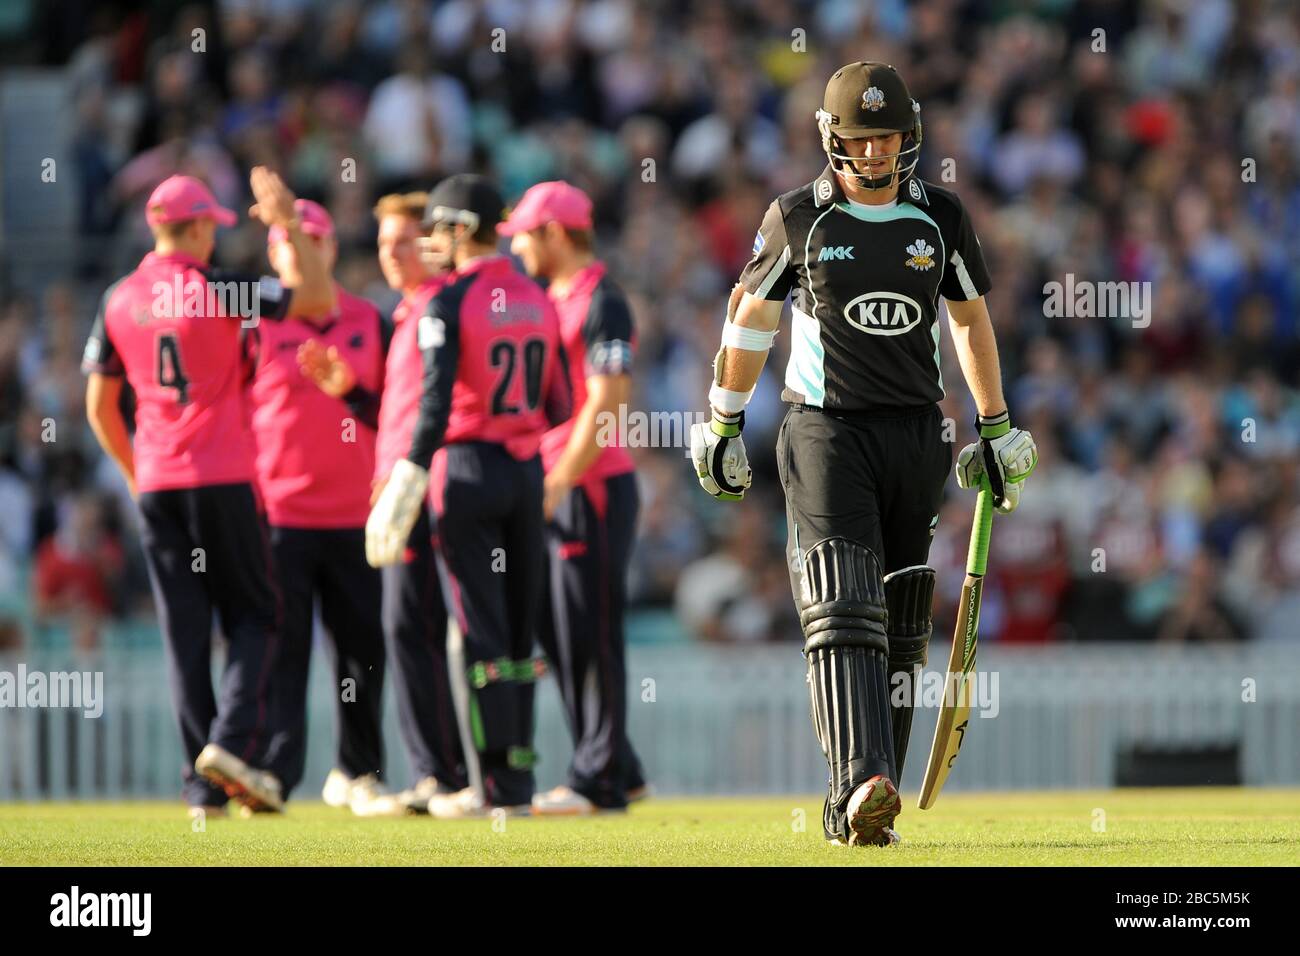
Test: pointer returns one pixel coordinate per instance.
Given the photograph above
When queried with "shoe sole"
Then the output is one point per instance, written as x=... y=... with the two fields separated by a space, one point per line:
x=871 y=821
x=239 y=791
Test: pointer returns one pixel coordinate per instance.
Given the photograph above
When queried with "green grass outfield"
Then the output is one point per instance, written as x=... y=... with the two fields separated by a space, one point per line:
x=1109 y=828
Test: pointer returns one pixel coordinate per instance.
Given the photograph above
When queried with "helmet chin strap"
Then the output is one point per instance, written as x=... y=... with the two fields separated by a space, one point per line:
x=863 y=180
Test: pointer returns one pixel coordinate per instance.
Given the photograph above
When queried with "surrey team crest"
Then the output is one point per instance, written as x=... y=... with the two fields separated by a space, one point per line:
x=919 y=255
x=873 y=98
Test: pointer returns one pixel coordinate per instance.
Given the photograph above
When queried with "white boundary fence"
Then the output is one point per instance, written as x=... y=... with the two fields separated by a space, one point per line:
x=712 y=719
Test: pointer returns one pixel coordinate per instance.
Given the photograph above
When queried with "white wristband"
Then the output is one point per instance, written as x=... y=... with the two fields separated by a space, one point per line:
x=726 y=400
x=751 y=340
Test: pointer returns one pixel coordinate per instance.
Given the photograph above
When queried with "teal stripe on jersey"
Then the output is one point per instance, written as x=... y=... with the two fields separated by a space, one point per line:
x=900 y=211
x=805 y=373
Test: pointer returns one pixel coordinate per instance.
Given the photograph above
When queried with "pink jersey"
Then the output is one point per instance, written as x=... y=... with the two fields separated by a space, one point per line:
x=596 y=324
x=315 y=454
x=403 y=375
x=167 y=328
x=493 y=367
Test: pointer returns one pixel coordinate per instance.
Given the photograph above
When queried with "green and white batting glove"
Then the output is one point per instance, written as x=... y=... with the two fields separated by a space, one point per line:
x=1007 y=455
x=719 y=455
x=394 y=514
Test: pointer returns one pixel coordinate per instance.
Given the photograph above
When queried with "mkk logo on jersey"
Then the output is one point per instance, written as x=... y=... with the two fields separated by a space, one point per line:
x=883 y=313
x=835 y=252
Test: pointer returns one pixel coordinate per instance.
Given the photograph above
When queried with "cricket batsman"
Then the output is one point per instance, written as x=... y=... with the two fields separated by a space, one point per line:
x=867 y=249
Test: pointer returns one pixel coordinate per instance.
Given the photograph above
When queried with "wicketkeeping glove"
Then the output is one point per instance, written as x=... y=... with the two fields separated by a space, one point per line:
x=719 y=455
x=394 y=514
x=1007 y=455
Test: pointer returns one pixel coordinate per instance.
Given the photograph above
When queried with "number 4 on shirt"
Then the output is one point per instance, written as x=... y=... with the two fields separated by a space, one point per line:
x=171 y=374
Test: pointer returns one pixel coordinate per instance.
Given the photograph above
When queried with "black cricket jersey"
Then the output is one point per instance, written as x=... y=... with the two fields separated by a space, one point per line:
x=866 y=282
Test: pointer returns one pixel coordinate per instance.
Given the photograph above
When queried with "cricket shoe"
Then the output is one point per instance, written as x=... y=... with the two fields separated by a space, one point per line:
x=370 y=798
x=562 y=801
x=258 y=790
x=416 y=799
x=637 y=794
x=337 y=791
x=871 y=811
x=467 y=803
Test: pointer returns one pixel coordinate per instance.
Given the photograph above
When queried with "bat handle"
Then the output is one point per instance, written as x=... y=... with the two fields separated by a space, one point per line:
x=978 y=556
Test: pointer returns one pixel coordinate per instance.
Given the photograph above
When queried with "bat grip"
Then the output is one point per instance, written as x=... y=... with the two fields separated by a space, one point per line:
x=978 y=555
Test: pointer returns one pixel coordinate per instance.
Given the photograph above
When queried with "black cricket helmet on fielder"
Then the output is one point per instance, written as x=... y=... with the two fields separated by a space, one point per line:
x=464 y=199
x=869 y=99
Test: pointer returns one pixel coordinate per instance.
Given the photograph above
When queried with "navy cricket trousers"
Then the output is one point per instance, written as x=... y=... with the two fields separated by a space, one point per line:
x=329 y=565
x=589 y=544
x=207 y=555
x=490 y=541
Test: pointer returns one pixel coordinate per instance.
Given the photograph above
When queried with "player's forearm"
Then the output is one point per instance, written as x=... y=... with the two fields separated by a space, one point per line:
x=315 y=295
x=106 y=421
x=977 y=353
x=746 y=339
x=584 y=447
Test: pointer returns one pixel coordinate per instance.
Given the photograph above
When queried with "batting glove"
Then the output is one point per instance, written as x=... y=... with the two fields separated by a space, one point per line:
x=719 y=455
x=394 y=514
x=1007 y=455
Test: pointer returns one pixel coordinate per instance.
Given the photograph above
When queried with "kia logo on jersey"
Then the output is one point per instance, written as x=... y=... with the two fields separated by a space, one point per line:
x=883 y=313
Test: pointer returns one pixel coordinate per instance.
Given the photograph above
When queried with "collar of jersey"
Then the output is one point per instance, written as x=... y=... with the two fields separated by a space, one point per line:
x=584 y=280
x=491 y=262
x=178 y=258
x=826 y=190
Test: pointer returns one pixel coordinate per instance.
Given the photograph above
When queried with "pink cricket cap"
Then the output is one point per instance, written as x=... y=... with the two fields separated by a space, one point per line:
x=184 y=197
x=315 y=222
x=548 y=202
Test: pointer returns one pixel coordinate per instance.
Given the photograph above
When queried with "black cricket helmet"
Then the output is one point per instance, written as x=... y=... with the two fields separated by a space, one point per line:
x=869 y=99
x=464 y=199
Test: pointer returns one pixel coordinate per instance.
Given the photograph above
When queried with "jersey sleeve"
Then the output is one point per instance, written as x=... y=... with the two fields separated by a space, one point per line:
x=272 y=297
x=438 y=339
x=250 y=353
x=965 y=276
x=100 y=357
x=607 y=334
x=769 y=273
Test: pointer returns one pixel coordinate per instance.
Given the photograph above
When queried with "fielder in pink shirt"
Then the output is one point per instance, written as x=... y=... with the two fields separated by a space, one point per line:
x=170 y=330
x=315 y=453
x=591 y=500
x=494 y=381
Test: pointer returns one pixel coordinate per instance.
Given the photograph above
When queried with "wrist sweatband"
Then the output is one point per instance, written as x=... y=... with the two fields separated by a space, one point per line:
x=726 y=400
x=993 y=426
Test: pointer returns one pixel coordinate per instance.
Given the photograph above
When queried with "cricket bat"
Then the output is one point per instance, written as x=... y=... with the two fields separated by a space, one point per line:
x=959 y=685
